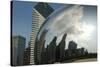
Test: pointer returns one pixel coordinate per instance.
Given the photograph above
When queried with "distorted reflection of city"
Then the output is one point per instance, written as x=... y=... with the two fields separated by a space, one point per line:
x=54 y=53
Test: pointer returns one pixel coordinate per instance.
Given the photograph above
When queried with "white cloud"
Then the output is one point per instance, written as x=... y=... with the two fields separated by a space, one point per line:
x=68 y=20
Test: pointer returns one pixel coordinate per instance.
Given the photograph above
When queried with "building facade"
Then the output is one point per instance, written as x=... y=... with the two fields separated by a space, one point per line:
x=18 y=47
x=26 y=60
x=39 y=14
x=51 y=51
x=61 y=48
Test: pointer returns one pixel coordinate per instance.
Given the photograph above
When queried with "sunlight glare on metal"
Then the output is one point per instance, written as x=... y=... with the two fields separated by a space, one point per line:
x=87 y=30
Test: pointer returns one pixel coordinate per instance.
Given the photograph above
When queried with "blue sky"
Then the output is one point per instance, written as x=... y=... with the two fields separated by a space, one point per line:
x=22 y=17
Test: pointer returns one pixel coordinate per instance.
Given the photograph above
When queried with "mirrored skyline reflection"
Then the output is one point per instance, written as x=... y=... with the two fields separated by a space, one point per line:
x=22 y=20
x=79 y=22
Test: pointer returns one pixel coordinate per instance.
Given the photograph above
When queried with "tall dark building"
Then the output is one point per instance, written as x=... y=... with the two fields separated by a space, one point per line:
x=61 y=48
x=44 y=55
x=18 y=47
x=41 y=46
x=51 y=51
x=39 y=14
x=72 y=45
x=72 y=48
x=26 y=60
x=44 y=9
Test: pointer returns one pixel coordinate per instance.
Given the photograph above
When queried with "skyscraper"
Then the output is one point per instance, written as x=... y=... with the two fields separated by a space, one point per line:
x=26 y=60
x=72 y=48
x=39 y=14
x=51 y=51
x=18 y=46
x=40 y=47
x=61 y=48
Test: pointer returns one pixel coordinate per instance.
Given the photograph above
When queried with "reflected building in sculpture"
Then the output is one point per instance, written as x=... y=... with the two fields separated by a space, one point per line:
x=73 y=51
x=51 y=51
x=61 y=48
x=72 y=48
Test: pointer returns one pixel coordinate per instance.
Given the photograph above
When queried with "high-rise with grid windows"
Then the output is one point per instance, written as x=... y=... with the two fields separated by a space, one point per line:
x=39 y=14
